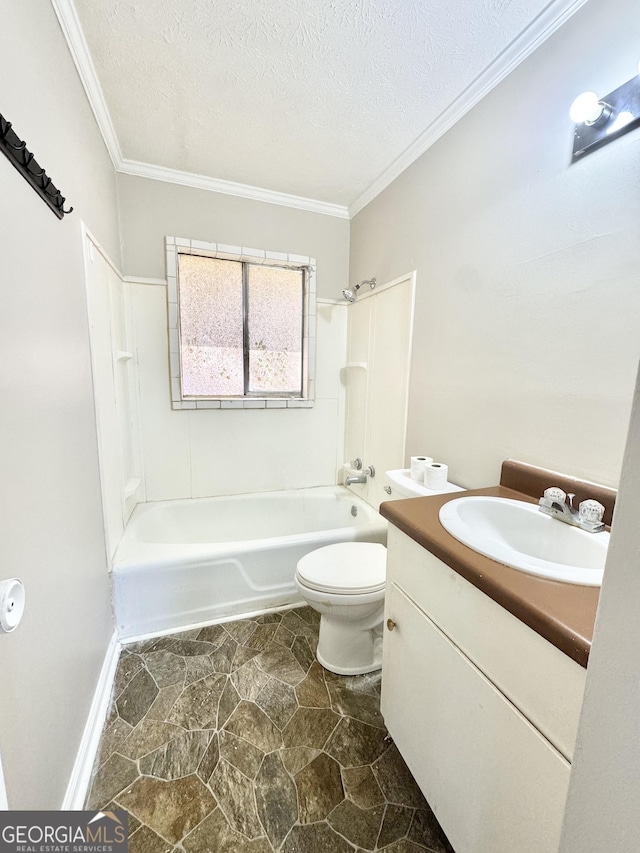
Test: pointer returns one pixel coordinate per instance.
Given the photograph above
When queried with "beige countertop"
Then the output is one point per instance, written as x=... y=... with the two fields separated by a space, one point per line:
x=562 y=613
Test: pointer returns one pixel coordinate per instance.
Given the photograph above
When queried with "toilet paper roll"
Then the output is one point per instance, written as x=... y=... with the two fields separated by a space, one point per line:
x=435 y=475
x=417 y=467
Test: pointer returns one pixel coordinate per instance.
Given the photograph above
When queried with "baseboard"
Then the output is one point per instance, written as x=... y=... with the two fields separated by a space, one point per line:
x=78 y=786
x=4 y=805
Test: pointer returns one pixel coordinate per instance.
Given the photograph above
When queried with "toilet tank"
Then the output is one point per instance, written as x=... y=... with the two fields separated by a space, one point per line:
x=402 y=486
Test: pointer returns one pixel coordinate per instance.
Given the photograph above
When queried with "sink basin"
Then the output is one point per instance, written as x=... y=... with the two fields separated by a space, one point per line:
x=517 y=534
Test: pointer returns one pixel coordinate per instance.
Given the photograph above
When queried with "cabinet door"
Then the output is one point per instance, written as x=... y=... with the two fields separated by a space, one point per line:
x=541 y=681
x=495 y=784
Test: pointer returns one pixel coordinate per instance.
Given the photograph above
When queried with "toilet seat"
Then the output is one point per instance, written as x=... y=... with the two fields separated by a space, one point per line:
x=346 y=568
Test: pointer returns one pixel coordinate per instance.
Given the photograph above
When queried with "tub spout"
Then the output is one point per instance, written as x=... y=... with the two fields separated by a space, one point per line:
x=350 y=481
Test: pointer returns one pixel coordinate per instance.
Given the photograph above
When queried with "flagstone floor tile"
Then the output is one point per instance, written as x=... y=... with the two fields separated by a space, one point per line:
x=234 y=738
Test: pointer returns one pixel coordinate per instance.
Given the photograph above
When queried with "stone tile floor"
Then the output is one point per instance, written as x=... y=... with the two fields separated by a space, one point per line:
x=233 y=739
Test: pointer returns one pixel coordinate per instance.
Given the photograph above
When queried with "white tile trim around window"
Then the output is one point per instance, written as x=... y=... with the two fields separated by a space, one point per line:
x=180 y=245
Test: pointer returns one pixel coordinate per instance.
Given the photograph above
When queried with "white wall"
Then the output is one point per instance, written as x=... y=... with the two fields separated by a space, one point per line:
x=150 y=210
x=602 y=806
x=526 y=336
x=222 y=452
x=52 y=530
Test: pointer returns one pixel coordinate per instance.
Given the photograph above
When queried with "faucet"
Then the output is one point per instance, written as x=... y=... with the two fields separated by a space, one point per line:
x=359 y=478
x=588 y=517
x=350 y=481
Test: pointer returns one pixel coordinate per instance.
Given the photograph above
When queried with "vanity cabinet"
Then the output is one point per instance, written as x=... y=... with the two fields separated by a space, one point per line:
x=483 y=709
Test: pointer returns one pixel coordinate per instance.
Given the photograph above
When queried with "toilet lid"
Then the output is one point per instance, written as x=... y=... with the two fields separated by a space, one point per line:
x=348 y=567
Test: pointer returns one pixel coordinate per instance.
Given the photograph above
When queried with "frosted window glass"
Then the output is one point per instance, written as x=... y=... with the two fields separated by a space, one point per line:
x=275 y=330
x=210 y=299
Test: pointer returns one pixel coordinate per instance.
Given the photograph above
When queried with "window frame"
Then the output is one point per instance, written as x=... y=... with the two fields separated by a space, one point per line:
x=174 y=247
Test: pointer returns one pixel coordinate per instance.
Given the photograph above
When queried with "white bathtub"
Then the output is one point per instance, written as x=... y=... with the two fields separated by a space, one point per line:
x=182 y=563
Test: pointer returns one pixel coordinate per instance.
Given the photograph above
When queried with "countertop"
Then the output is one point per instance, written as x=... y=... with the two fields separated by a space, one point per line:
x=562 y=613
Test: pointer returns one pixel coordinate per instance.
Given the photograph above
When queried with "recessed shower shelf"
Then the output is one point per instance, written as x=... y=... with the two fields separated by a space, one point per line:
x=361 y=364
x=121 y=355
x=131 y=487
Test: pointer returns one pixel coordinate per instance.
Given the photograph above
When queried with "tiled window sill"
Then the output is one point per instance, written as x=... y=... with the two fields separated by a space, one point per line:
x=253 y=403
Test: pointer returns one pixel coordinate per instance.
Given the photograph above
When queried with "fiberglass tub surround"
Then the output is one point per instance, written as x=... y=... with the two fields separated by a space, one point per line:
x=191 y=561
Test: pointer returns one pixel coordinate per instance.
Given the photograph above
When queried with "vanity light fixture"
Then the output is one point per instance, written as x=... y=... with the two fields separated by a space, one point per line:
x=351 y=293
x=599 y=120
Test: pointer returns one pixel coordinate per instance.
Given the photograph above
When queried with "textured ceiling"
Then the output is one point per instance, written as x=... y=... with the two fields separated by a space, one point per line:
x=310 y=97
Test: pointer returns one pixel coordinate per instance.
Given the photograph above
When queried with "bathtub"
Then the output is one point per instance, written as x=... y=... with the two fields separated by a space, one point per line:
x=188 y=562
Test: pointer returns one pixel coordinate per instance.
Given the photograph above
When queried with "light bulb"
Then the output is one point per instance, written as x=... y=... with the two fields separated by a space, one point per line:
x=586 y=109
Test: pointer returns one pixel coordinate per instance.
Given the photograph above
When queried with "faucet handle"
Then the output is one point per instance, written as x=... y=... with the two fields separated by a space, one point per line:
x=555 y=494
x=591 y=510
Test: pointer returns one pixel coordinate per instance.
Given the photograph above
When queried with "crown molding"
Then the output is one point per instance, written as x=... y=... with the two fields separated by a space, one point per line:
x=72 y=30
x=203 y=182
x=538 y=31
x=543 y=26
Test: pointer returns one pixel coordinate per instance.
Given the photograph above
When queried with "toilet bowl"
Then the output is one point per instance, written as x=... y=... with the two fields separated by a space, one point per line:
x=345 y=584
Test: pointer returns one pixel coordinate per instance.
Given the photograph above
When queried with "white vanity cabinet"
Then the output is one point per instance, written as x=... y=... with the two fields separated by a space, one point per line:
x=483 y=709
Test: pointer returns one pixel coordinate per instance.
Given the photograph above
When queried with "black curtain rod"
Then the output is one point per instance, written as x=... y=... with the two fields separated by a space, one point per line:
x=16 y=151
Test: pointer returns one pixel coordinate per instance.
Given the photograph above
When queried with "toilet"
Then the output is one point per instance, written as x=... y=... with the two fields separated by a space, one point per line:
x=345 y=583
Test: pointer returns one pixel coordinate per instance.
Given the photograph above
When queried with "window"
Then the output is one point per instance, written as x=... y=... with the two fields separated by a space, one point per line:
x=240 y=326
